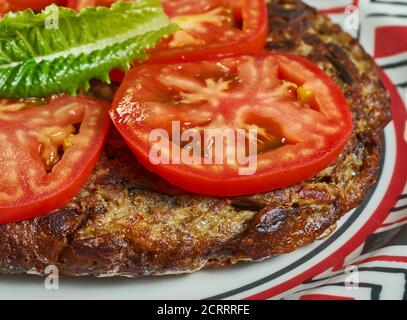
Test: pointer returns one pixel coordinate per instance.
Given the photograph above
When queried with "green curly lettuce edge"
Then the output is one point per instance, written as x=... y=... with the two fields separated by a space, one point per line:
x=60 y=51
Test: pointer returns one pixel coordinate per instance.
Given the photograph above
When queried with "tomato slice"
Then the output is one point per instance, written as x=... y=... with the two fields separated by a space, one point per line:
x=209 y=30
x=78 y=5
x=236 y=6
x=188 y=7
x=47 y=153
x=15 y=5
x=300 y=117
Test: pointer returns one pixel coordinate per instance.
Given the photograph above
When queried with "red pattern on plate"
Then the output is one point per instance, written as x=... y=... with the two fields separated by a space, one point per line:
x=339 y=9
x=324 y=297
x=389 y=40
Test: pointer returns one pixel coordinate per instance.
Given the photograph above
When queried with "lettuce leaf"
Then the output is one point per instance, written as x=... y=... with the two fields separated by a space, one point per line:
x=59 y=50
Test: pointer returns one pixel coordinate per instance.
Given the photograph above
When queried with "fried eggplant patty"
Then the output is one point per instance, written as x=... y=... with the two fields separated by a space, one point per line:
x=127 y=221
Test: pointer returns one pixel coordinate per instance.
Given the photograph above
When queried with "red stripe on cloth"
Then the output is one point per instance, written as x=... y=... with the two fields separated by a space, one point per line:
x=324 y=297
x=395 y=222
x=339 y=9
x=382 y=258
x=390 y=40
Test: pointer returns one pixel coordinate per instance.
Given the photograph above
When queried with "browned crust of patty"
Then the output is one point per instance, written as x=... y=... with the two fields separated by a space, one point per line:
x=127 y=221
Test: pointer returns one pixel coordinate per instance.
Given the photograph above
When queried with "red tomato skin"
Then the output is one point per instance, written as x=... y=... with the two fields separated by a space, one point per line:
x=78 y=5
x=230 y=187
x=45 y=207
x=15 y=5
x=237 y=8
x=222 y=186
x=216 y=51
x=36 y=208
x=117 y=75
x=172 y=7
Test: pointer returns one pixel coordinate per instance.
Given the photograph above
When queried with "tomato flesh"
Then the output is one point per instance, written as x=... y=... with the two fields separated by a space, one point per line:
x=15 y=5
x=301 y=118
x=187 y=7
x=209 y=29
x=78 y=5
x=237 y=7
x=48 y=153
